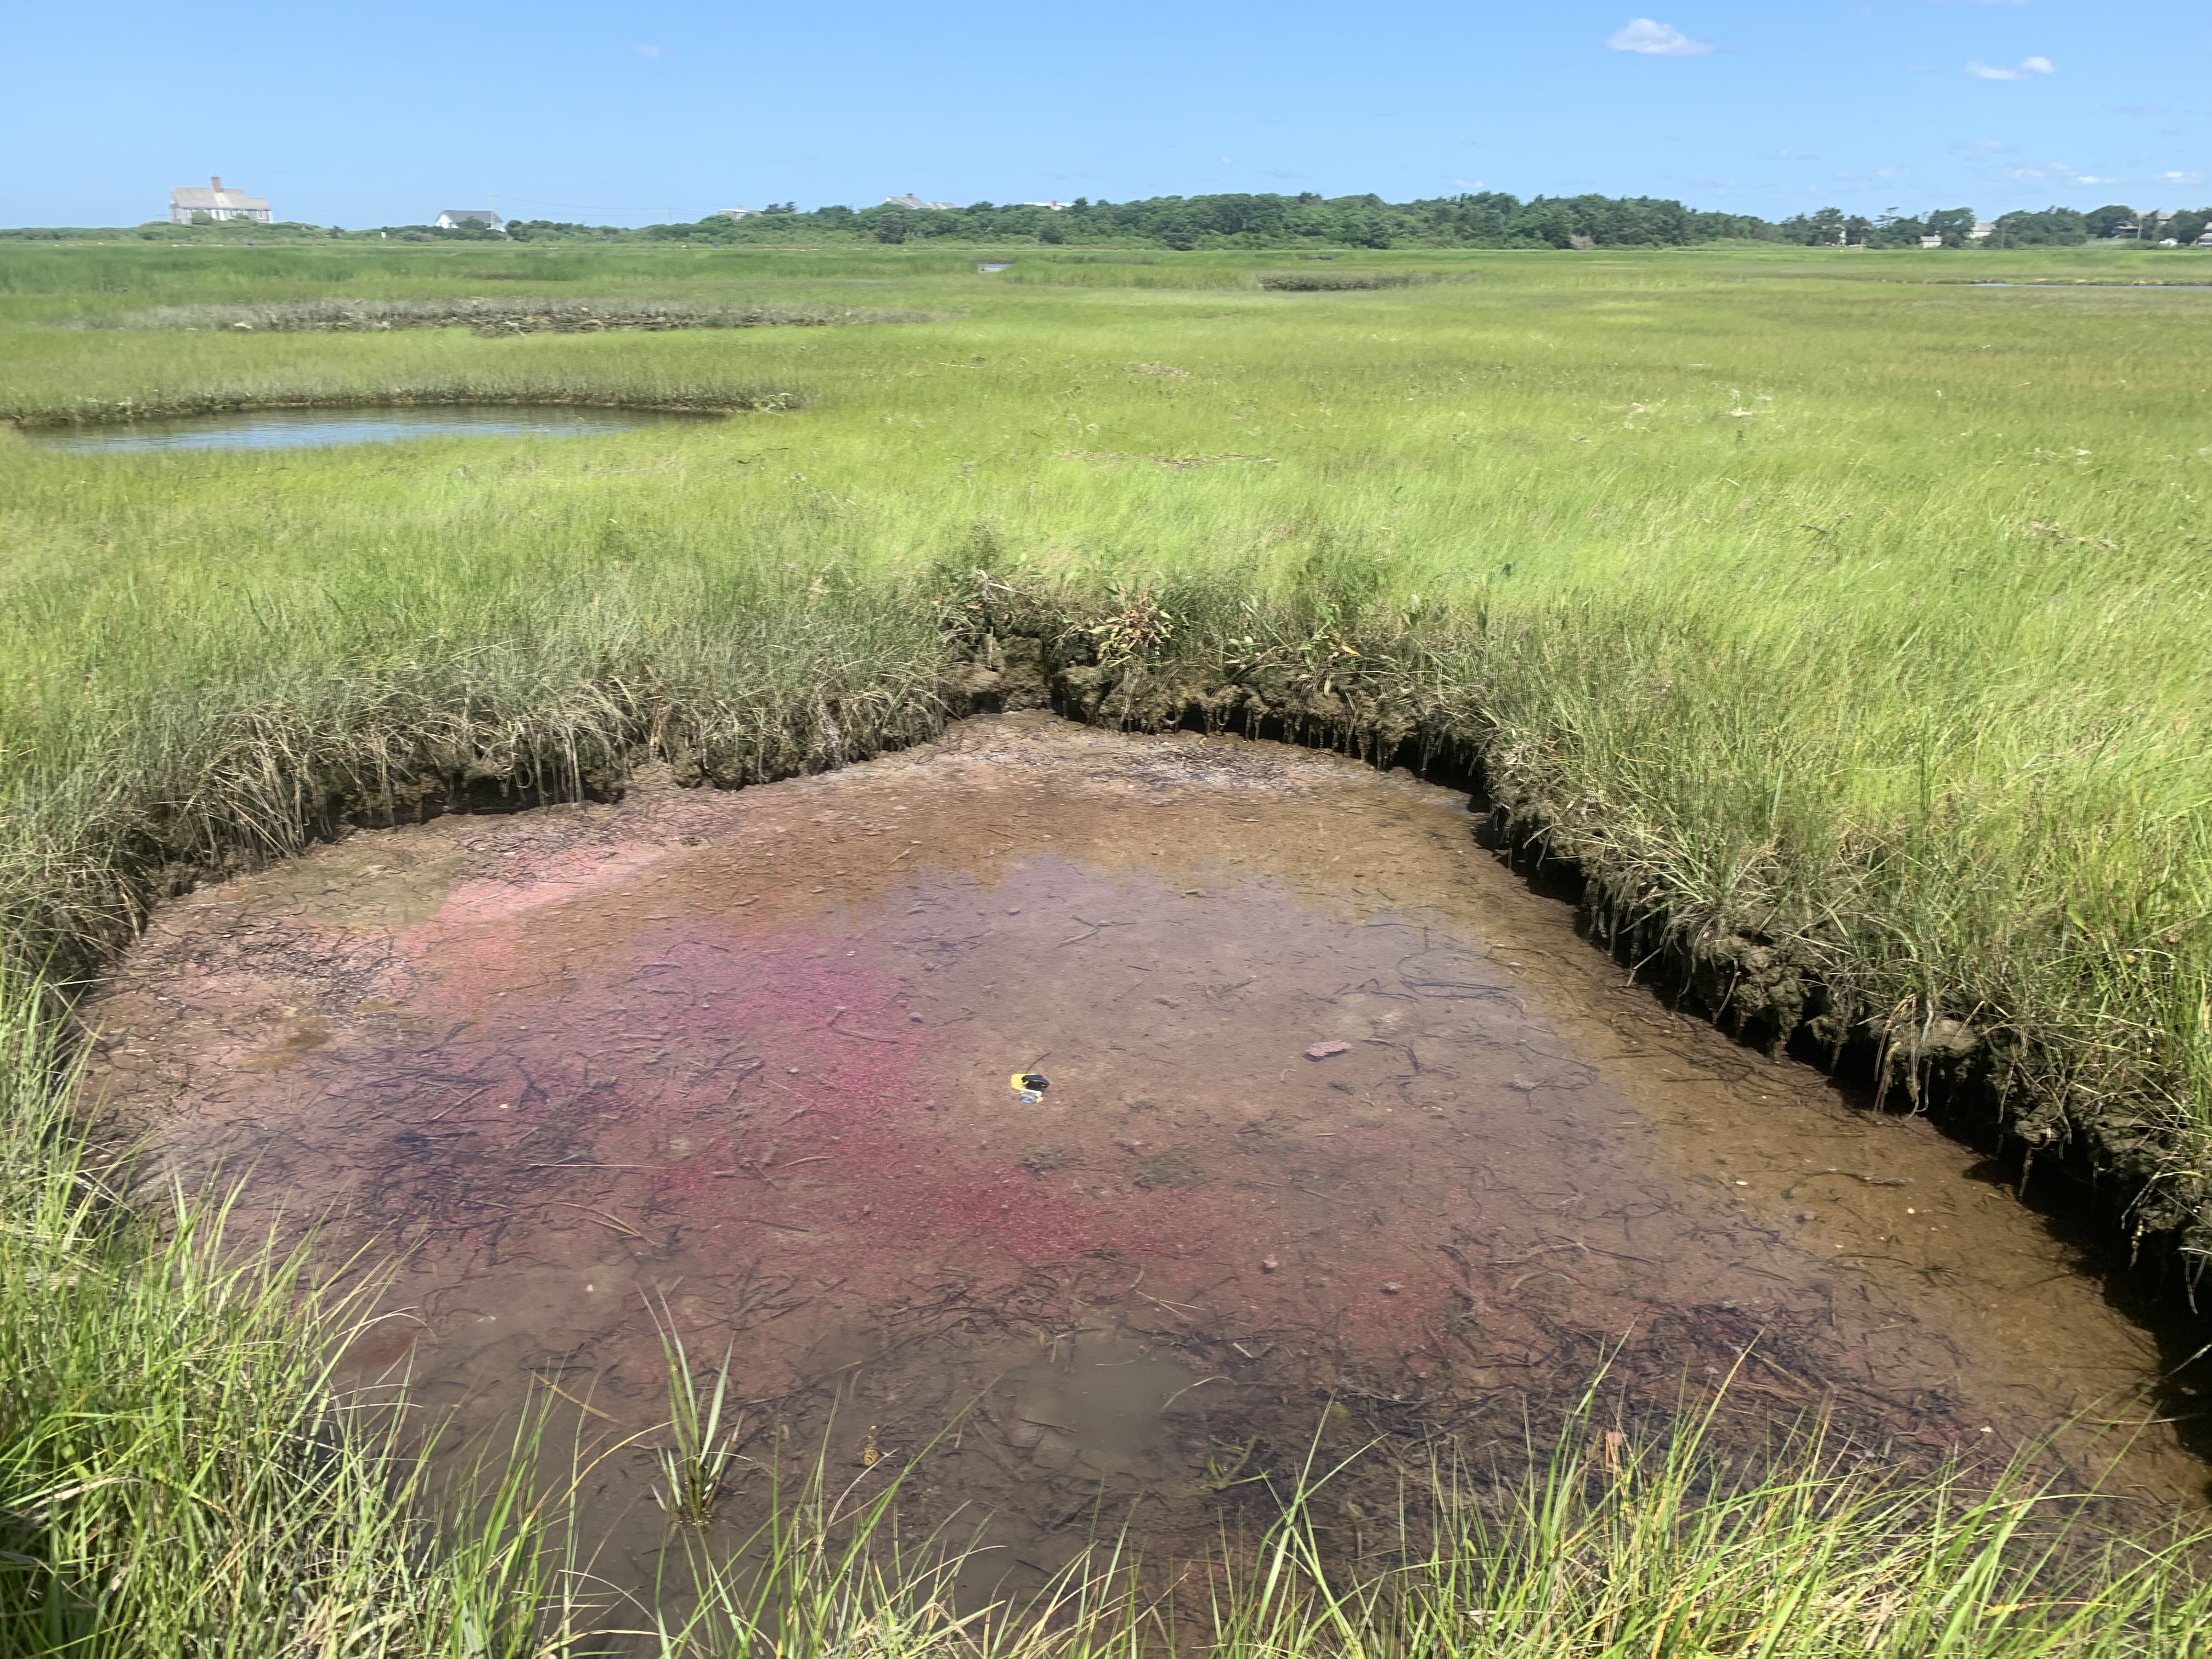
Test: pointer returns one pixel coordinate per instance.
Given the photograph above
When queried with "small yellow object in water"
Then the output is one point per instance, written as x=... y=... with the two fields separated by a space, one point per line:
x=869 y=1455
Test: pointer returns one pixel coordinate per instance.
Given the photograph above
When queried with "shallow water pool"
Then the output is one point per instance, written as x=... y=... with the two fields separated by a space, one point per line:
x=315 y=429
x=1344 y=1129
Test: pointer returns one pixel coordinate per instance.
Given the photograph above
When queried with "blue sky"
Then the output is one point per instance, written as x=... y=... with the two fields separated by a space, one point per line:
x=668 y=109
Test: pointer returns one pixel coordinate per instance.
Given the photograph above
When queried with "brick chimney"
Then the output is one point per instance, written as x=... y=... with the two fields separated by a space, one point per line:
x=217 y=182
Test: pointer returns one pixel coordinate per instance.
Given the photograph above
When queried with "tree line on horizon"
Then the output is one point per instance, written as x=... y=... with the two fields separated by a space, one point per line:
x=1484 y=219
x=1487 y=219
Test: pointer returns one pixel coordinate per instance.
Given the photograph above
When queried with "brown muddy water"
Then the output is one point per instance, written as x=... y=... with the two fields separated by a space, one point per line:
x=748 y=1056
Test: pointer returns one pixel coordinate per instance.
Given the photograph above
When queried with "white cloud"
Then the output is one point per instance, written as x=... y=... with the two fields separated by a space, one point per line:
x=2057 y=173
x=2028 y=69
x=1655 y=40
x=2183 y=178
x=645 y=51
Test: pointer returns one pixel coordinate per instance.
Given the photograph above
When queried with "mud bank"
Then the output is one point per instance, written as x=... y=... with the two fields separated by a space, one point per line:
x=746 y=1056
x=91 y=415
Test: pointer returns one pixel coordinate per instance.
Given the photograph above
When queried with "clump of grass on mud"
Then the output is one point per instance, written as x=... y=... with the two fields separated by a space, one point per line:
x=519 y=314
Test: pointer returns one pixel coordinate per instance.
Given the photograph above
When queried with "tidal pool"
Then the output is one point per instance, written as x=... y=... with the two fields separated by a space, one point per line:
x=315 y=429
x=748 y=1058
x=2079 y=282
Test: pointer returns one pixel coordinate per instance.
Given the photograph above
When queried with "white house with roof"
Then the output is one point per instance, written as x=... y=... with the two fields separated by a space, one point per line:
x=911 y=200
x=188 y=202
x=456 y=218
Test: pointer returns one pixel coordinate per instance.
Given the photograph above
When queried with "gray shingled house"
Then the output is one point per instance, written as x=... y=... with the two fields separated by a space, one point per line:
x=188 y=202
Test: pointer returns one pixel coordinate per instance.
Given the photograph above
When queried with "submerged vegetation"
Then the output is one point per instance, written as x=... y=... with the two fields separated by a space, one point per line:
x=1846 y=631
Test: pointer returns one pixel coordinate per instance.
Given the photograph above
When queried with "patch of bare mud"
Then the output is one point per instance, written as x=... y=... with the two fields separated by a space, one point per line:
x=749 y=1053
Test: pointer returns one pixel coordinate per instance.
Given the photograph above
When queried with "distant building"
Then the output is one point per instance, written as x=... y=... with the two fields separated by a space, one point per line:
x=456 y=218
x=1982 y=232
x=1057 y=207
x=188 y=202
x=739 y=213
x=910 y=200
x=2205 y=241
x=1931 y=241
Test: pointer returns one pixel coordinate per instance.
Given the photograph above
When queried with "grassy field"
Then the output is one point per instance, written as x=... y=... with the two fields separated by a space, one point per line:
x=1841 y=618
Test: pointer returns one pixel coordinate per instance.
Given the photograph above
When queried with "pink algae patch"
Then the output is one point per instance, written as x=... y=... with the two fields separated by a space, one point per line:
x=762 y=1078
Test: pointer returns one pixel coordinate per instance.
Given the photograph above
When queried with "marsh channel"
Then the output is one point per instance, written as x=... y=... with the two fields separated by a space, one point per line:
x=1347 y=1133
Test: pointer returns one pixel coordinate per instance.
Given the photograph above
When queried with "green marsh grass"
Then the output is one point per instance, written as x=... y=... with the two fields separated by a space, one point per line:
x=1817 y=599
x=177 y=1473
x=1614 y=1547
x=1603 y=1545
x=702 y=1452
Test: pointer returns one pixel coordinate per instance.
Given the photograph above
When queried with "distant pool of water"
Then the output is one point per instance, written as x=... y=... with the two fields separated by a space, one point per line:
x=2191 y=285
x=316 y=429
